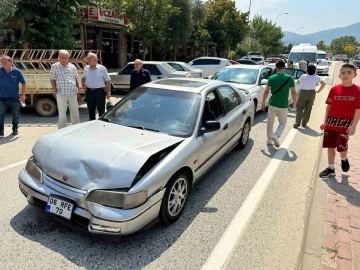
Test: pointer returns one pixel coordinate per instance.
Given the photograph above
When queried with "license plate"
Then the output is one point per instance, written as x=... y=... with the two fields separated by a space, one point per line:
x=59 y=207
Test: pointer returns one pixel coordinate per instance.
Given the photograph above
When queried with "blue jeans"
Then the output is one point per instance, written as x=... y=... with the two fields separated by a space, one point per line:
x=14 y=106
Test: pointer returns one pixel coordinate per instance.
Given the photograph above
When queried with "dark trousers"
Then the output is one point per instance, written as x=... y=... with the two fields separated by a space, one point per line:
x=14 y=106
x=95 y=100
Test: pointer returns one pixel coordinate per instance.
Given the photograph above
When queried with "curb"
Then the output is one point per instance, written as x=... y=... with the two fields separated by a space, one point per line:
x=313 y=188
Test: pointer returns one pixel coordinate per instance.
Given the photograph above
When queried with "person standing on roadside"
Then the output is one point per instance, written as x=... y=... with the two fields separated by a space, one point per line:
x=306 y=95
x=341 y=119
x=139 y=75
x=302 y=65
x=279 y=86
x=96 y=81
x=64 y=81
x=290 y=64
x=10 y=77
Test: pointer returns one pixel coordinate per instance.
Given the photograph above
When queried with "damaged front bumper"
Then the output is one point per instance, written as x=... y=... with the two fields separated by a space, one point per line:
x=96 y=218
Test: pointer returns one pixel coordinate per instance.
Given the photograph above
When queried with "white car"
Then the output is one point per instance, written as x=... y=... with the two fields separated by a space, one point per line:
x=253 y=80
x=159 y=70
x=210 y=65
x=182 y=66
x=256 y=58
x=322 y=67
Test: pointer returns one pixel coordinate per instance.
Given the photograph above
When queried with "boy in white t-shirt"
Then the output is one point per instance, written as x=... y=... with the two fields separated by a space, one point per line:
x=306 y=95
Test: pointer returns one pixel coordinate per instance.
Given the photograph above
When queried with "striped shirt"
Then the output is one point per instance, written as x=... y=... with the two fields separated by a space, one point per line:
x=96 y=77
x=65 y=78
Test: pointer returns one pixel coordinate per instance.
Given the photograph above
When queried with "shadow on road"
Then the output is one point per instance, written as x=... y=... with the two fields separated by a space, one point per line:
x=8 y=139
x=309 y=131
x=135 y=252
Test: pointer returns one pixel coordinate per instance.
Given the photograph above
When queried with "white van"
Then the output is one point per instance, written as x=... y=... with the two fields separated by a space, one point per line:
x=302 y=52
x=321 y=55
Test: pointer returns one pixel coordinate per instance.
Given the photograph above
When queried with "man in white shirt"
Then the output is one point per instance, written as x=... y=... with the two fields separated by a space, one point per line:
x=64 y=81
x=306 y=95
x=97 y=83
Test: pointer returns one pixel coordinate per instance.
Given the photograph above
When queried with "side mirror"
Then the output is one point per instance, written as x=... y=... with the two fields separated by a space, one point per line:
x=210 y=126
x=210 y=77
x=263 y=82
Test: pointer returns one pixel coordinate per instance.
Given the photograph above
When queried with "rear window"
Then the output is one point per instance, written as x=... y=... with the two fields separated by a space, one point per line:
x=206 y=62
x=169 y=68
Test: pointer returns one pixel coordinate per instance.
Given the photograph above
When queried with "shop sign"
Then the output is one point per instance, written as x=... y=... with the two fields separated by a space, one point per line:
x=105 y=15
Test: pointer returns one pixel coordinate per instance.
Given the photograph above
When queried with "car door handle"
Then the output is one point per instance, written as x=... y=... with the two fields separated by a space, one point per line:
x=244 y=111
x=225 y=126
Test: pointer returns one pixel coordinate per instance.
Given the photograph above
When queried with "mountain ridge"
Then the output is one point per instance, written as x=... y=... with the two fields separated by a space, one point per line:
x=326 y=35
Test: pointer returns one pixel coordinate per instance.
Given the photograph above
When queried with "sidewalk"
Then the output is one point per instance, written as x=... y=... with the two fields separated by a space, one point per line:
x=333 y=233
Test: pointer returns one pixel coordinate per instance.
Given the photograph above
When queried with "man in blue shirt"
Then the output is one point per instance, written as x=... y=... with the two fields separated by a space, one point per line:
x=10 y=77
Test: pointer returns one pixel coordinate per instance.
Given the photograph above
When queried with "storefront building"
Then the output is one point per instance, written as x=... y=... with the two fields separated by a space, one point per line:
x=103 y=30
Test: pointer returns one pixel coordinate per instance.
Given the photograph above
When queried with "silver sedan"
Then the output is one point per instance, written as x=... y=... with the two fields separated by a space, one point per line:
x=182 y=66
x=139 y=161
x=158 y=70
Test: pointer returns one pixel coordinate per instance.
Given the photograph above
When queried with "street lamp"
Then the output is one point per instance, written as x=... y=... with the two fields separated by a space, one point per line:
x=280 y=15
x=296 y=32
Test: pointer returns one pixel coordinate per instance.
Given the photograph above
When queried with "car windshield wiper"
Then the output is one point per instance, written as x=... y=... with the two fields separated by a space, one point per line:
x=231 y=81
x=105 y=119
x=143 y=128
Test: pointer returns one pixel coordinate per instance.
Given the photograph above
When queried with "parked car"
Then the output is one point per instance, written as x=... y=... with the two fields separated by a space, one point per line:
x=258 y=59
x=322 y=67
x=182 y=66
x=140 y=160
x=159 y=70
x=357 y=63
x=272 y=60
x=246 y=62
x=210 y=65
x=253 y=80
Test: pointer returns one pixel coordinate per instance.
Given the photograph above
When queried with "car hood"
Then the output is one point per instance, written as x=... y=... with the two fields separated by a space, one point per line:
x=98 y=155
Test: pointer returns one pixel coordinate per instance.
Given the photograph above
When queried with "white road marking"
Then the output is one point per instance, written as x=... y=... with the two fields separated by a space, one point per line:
x=8 y=167
x=238 y=225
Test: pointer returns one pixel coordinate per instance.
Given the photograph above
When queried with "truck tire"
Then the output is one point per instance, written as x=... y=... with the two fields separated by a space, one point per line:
x=46 y=107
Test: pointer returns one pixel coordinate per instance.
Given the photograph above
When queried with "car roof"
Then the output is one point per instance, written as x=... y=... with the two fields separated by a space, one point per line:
x=209 y=57
x=246 y=67
x=191 y=85
x=150 y=62
x=176 y=62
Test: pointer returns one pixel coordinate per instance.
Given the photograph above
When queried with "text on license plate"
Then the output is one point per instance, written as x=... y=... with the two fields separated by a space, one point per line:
x=59 y=207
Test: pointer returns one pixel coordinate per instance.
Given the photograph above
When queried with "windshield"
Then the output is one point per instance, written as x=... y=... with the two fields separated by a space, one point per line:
x=296 y=57
x=237 y=75
x=321 y=56
x=158 y=110
x=323 y=63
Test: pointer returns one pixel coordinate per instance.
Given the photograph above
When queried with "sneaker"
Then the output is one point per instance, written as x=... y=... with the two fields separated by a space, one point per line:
x=15 y=132
x=270 y=142
x=327 y=172
x=276 y=141
x=296 y=126
x=345 y=166
x=1 y=134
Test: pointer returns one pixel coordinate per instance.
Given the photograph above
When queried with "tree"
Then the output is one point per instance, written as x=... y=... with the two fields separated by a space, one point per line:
x=268 y=35
x=7 y=9
x=56 y=29
x=148 y=19
x=338 y=44
x=226 y=25
x=322 y=46
x=289 y=47
x=180 y=24
x=199 y=33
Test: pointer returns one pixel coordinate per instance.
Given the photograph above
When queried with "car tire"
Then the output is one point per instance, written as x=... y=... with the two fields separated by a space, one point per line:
x=244 y=138
x=177 y=192
x=46 y=107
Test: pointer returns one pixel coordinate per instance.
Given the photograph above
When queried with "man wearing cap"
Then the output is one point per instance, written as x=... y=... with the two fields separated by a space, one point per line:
x=96 y=81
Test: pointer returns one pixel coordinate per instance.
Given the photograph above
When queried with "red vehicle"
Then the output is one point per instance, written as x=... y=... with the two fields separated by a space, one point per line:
x=233 y=62
x=273 y=60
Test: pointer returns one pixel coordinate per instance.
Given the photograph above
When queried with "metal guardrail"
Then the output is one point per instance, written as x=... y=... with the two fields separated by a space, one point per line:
x=40 y=60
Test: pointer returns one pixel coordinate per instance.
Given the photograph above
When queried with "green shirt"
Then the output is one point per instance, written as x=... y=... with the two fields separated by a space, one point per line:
x=281 y=98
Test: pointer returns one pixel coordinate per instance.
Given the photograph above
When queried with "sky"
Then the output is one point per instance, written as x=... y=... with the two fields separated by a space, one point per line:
x=313 y=15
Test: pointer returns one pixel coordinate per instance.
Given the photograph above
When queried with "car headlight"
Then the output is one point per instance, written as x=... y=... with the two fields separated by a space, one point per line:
x=34 y=169
x=117 y=199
